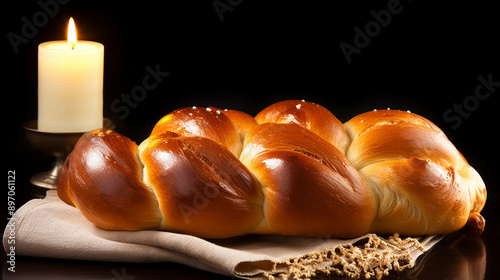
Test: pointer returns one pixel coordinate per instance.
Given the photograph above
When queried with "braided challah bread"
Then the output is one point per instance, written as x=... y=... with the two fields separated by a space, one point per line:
x=294 y=169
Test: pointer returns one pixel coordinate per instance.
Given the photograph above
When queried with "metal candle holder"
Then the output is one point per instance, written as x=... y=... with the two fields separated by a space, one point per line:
x=58 y=144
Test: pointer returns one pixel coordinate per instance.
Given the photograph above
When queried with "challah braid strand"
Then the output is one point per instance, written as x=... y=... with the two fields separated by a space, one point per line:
x=202 y=187
x=102 y=177
x=310 y=188
x=177 y=181
x=422 y=184
x=292 y=170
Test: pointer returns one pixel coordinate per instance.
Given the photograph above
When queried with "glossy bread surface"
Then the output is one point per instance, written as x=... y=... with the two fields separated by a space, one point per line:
x=294 y=169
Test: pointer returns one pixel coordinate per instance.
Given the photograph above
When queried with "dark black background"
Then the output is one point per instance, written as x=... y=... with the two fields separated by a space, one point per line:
x=427 y=59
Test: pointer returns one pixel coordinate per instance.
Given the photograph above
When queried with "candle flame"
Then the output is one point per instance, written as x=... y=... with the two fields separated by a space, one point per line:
x=72 y=33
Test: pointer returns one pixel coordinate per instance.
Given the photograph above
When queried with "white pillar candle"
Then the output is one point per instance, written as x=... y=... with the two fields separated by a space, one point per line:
x=70 y=81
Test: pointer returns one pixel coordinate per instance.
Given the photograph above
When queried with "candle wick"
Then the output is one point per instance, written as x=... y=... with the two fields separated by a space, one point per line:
x=73 y=47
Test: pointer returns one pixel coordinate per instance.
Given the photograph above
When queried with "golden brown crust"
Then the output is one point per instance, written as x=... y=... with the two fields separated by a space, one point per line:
x=416 y=197
x=422 y=183
x=204 y=122
x=63 y=183
x=362 y=122
x=298 y=174
x=105 y=175
x=202 y=188
x=475 y=225
x=394 y=142
x=311 y=189
x=242 y=121
x=312 y=116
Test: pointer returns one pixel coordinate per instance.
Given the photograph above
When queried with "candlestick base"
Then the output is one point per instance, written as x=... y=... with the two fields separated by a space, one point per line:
x=55 y=144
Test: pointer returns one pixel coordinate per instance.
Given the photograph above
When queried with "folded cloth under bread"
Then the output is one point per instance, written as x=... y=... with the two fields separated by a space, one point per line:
x=50 y=228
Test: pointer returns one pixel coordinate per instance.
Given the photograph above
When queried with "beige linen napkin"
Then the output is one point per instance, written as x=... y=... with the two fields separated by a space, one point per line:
x=50 y=228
